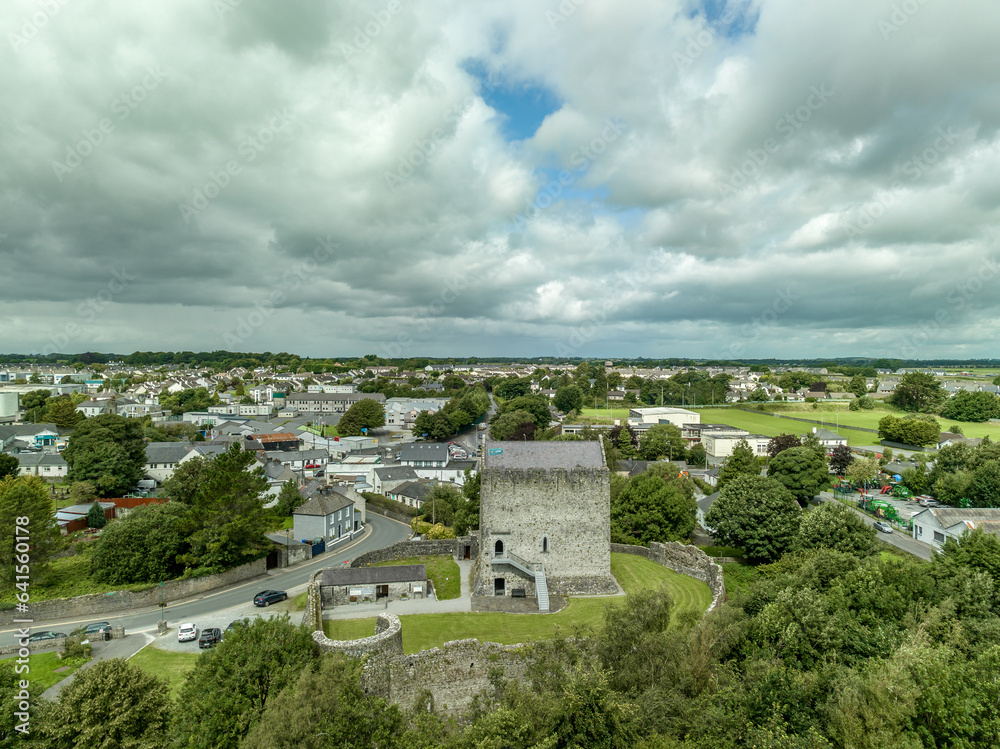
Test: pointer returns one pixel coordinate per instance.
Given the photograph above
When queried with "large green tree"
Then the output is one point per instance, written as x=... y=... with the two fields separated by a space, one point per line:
x=651 y=508
x=507 y=425
x=367 y=413
x=9 y=465
x=26 y=511
x=908 y=431
x=984 y=487
x=917 y=391
x=840 y=458
x=756 y=514
x=662 y=441
x=801 y=471
x=63 y=413
x=966 y=406
x=858 y=385
x=141 y=547
x=233 y=682
x=741 y=463
x=114 y=704
x=836 y=526
x=782 y=442
x=225 y=519
x=109 y=451
x=568 y=398
x=289 y=498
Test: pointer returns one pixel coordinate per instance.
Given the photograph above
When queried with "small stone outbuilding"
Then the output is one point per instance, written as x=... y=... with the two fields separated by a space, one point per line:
x=347 y=585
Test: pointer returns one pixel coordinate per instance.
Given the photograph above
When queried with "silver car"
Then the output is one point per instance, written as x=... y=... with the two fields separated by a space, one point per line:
x=883 y=526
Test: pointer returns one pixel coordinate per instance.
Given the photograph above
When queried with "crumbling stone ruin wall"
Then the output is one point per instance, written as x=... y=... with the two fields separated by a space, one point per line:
x=685 y=559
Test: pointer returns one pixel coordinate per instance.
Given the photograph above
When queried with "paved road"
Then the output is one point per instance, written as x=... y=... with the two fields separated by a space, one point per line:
x=236 y=601
x=896 y=538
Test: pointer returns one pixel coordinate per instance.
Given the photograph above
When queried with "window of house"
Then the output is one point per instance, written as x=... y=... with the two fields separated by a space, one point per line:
x=920 y=530
x=939 y=537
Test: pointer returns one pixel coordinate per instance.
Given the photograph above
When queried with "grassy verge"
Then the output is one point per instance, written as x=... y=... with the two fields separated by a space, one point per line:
x=349 y=629
x=299 y=602
x=442 y=571
x=423 y=631
x=68 y=577
x=173 y=667
x=42 y=668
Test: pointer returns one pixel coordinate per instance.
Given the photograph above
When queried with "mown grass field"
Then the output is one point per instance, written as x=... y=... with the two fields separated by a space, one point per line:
x=602 y=415
x=42 y=668
x=173 y=667
x=423 y=631
x=828 y=416
x=442 y=571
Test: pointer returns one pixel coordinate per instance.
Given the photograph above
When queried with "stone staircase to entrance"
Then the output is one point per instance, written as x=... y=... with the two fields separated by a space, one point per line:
x=535 y=570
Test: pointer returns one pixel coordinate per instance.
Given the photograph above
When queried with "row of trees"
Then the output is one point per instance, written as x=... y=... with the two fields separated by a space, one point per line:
x=465 y=407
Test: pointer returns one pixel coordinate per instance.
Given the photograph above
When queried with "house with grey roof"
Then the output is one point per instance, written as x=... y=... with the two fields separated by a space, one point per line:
x=46 y=465
x=424 y=454
x=342 y=586
x=411 y=493
x=33 y=435
x=162 y=459
x=383 y=479
x=937 y=524
x=328 y=515
x=704 y=505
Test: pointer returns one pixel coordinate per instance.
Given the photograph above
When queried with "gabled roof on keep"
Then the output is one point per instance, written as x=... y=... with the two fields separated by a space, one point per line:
x=323 y=505
x=525 y=455
x=402 y=573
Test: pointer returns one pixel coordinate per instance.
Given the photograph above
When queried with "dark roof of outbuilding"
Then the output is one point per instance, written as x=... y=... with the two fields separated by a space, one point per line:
x=403 y=573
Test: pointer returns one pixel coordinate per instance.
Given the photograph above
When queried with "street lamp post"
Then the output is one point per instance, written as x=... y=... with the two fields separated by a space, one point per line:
x=288 y=542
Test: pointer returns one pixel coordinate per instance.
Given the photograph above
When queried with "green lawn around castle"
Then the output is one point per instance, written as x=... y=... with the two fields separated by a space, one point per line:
x=423 y=631
x=442 y=571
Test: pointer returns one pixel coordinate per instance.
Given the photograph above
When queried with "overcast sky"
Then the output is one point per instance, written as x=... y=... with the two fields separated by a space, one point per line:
x=522 y=178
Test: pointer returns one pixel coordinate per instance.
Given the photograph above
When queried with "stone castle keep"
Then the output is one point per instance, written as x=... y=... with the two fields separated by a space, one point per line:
x=545 y=521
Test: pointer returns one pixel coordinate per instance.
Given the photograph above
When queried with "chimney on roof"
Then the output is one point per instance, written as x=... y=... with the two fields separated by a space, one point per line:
x=814 y=430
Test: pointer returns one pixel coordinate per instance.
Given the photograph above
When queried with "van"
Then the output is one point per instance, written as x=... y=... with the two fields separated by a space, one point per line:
x=147 y=485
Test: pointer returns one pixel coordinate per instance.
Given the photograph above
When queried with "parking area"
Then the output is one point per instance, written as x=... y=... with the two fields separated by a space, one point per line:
x=221 y=619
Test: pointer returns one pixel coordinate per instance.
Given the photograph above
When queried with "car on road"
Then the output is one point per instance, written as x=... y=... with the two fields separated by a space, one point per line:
x=210 y=636
x=883 y=526
x=45 y=635
x=96 y=628
x=236 y=624
x=267 y=597
x=187 y=632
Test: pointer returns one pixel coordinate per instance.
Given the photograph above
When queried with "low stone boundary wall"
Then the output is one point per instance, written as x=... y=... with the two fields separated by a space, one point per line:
x=398 y=516
x=387 y=640
x=685 y=559
x=117 y=633
x=127 y=600
x=405 y=549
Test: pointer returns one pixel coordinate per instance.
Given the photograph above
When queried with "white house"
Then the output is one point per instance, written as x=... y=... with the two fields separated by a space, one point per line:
x=721 y=445
x=936 y=524
x=827 y=439
x=45 y=465
x=641 y=419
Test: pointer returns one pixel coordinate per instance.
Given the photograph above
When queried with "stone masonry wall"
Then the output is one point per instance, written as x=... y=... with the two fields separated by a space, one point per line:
x=685 y=559
x=387 y=640
x=124 y=600
x=564 y=511
x=406 y=549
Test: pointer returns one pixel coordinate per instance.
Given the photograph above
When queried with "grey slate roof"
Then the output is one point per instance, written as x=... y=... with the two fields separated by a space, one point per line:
x=25 y=430
x=949 y=516
x=403 y=573
x=323 y=505
x=525 y=455
x=166 y=452
x=705 y=503
x=425 y=451
x=396 y=473
x=40 y=459
x=413 y=489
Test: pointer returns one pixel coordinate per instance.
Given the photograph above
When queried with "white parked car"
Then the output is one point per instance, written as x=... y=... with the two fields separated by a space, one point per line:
x=187 y=632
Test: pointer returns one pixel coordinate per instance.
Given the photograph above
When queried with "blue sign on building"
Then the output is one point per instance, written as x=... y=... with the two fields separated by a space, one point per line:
x=496 y=451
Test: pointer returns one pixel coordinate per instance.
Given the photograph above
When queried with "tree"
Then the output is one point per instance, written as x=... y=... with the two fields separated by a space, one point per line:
x=662 y=440
x=782 y=442
x=226 y=519
x=651 y=508
x=441 y=503
x=977 y=407
x=976 y=549
x=916 y=480
x=697 y=455
x=232 y=683
x=327 y=700
x=35 y=399
x=908 y=431
x=109 y=451
x=568 y=398
x=801 y=471
x=862 y=471
x=741 y=463
x=984 y=487
x=114 y=704
x=858 y=385
x=835 y=526
x=141 y=547
x=756 y=514
x=95 y=516
x=506 y=425
x=367 y=413
x=63 y=413
x=26 y=504
x=952 y=488
x=759 y=395
x=840 y=458
x=917 y=391
x=289 y=499
x=9 y=465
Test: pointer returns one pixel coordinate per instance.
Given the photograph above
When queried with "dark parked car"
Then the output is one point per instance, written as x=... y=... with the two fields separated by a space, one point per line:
x=97 y=629
x=45 y=635
x=267 y=597
x=209 y=637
